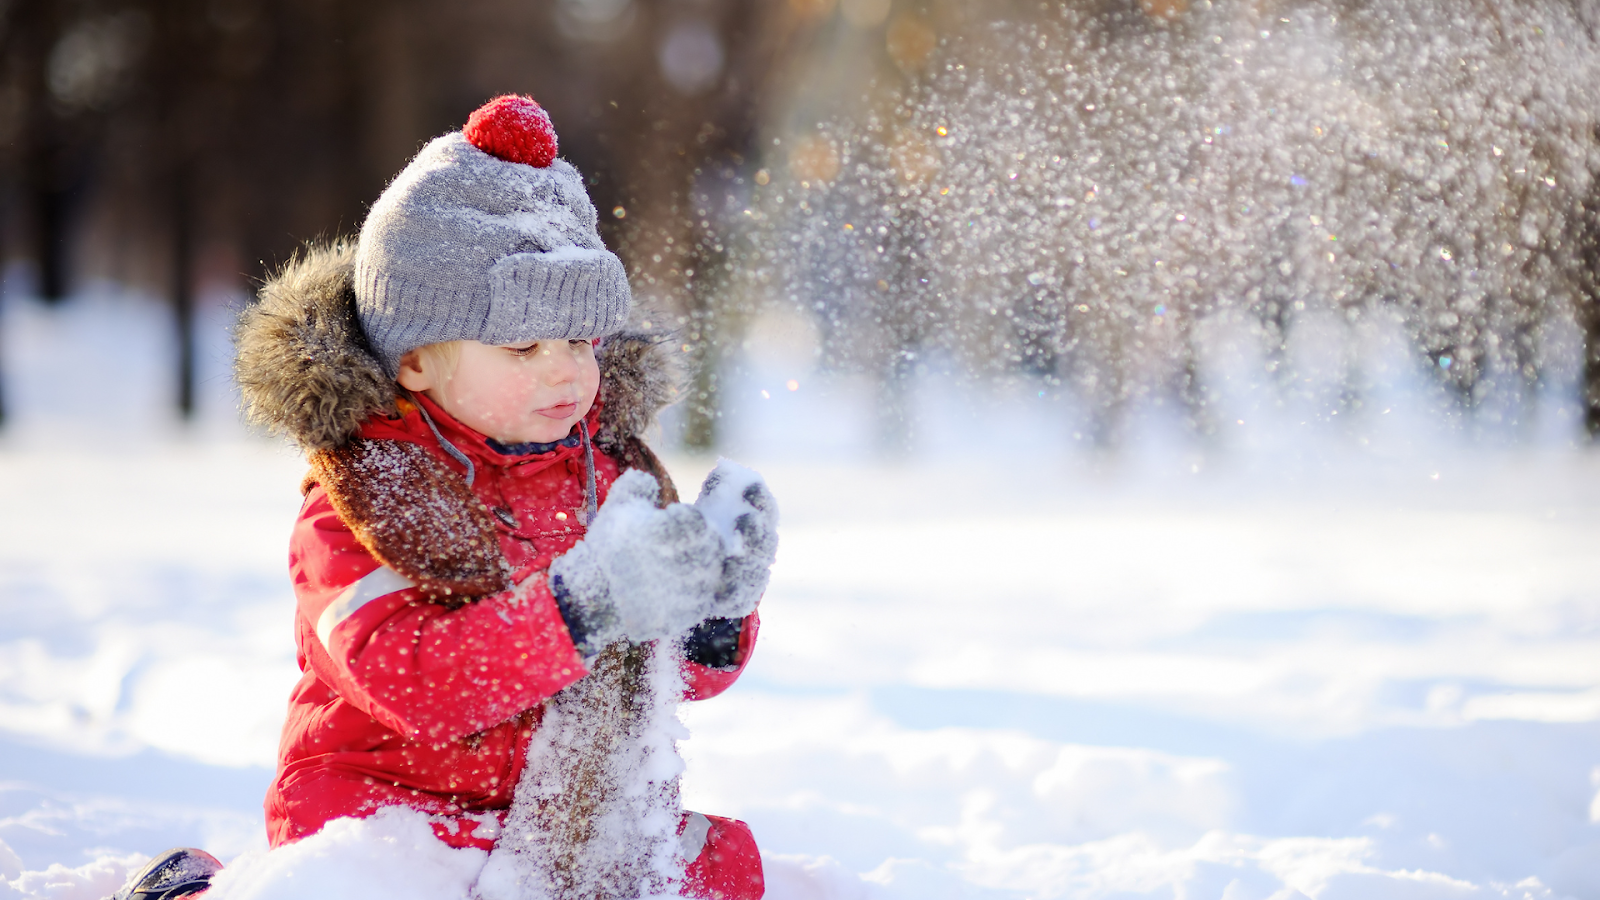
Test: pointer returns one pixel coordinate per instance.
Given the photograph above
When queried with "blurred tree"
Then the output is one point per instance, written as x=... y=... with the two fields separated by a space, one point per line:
x=1587 y=239
x=161 y=142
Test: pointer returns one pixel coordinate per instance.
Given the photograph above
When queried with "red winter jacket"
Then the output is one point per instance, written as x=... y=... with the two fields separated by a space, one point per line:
x=407 y=701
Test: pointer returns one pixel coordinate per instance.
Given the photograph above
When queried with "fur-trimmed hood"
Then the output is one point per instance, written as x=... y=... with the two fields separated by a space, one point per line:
x=305 y=370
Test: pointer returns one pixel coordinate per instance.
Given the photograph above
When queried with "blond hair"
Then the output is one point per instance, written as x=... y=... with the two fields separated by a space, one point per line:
x=445 y=356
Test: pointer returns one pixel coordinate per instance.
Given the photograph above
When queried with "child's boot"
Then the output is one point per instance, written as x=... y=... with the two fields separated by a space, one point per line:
x=179 y=872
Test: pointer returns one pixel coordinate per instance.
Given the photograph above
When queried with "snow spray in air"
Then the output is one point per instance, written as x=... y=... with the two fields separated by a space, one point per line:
x=1066 y=192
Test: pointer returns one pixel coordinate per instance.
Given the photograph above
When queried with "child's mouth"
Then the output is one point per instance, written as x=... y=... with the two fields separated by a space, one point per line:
x=559 y=411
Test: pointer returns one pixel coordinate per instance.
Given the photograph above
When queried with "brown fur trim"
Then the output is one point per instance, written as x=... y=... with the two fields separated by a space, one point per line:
x=635 y=454
x=639 y=374
x=415 y=516
x=303 y=366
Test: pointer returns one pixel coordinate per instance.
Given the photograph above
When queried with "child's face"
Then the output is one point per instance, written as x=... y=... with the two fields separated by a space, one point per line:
x=515 y=394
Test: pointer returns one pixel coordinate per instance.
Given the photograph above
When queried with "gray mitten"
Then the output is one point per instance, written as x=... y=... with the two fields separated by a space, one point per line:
x=641 y=572
x=737 y=503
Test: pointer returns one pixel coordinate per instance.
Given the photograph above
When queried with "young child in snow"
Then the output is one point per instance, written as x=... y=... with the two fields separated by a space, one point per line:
x=469 y=394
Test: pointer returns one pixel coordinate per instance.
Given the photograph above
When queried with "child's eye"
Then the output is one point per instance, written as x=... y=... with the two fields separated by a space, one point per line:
x=579 y=342
x=524 y=351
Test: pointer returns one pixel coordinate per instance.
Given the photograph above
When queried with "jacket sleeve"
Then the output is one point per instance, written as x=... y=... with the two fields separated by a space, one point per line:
x=703 y=677
x=423 y=669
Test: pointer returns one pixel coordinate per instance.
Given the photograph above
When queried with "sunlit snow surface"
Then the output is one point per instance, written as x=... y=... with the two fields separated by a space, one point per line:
x=1002 y=668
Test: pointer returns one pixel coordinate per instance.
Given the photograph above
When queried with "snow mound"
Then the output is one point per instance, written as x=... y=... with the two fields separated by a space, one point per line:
x=392 y=855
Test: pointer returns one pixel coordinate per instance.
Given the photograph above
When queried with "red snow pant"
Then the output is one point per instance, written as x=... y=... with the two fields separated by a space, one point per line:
x=726 y=867
x=727 y=864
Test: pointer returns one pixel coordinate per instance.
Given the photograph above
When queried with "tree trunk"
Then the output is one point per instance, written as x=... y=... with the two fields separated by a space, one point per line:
x=1590 y=320
x=183 y=286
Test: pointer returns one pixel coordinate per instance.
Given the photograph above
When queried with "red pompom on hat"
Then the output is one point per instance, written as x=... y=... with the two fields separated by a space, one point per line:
x=513 y=128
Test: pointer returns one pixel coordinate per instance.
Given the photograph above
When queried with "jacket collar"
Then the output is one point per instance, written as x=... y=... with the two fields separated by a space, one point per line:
x=410 y=423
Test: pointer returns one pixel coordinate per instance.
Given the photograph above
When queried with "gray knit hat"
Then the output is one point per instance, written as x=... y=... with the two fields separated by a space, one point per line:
x=490 y=246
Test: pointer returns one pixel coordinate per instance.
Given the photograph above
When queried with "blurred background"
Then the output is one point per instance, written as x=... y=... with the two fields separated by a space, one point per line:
x=1115 y=205
x=1181 y=411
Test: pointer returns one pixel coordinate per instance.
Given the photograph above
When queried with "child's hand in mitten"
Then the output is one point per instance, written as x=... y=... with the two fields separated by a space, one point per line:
x=737 y=503
x=641 y=572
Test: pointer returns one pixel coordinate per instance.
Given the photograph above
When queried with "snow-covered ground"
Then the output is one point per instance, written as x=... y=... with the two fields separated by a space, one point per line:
x=1001 y=668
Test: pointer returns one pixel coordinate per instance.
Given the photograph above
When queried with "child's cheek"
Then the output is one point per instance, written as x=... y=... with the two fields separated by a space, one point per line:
x=480 y=404
x=591 y=381
x=499 y=404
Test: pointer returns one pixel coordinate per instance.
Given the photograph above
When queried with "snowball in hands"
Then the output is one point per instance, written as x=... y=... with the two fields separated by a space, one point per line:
x=644 y=573
x=641 y=573
x=737 y=503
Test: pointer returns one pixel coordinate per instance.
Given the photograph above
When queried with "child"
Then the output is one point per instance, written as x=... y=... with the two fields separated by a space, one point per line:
x=468 y=394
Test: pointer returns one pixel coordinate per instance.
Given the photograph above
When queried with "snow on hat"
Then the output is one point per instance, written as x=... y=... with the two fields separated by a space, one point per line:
x=486 y=236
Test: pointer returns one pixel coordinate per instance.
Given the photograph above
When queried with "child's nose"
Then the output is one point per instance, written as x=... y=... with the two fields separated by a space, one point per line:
x=563 y=366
